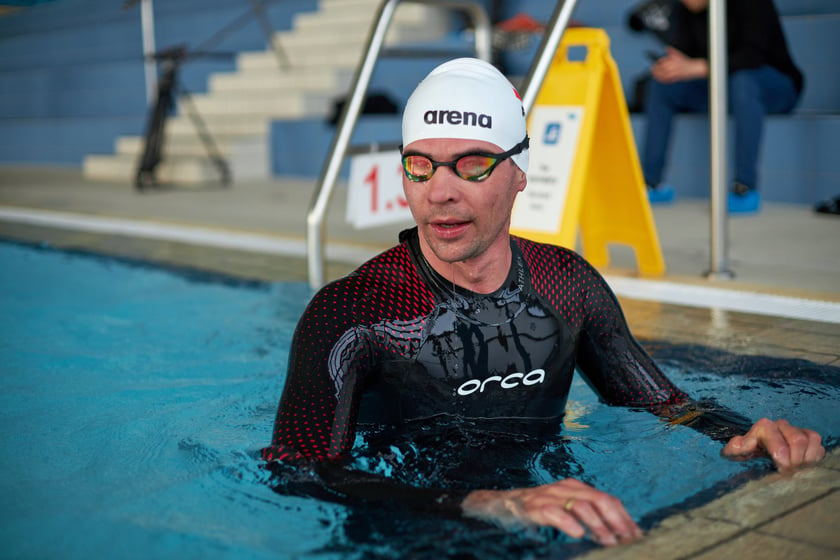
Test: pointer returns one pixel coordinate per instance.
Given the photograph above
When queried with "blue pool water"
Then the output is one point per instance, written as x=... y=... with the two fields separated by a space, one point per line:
x=134 y=400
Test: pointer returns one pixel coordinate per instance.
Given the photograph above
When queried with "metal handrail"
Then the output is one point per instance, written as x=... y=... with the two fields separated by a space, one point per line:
x=315 y=227
x=545 y=53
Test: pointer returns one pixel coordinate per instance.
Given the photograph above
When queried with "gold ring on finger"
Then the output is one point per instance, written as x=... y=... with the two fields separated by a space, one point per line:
x=569 y=504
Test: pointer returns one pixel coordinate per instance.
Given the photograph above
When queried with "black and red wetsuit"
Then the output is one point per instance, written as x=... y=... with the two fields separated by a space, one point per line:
x=394 y=343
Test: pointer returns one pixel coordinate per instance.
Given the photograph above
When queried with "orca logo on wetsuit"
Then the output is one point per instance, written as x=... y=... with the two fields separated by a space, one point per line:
x=510 y=381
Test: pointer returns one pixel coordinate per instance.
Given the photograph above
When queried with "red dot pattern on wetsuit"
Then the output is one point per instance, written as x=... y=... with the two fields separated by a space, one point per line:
x=616 y=365
x=316 y=417
x=313 y=421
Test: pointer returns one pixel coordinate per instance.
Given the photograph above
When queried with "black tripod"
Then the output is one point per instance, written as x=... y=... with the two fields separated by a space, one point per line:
x=168 y=88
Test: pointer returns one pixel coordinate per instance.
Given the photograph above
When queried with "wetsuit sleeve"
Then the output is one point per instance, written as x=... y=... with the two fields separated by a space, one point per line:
x=333 y=351
x=610 y=359
x=613 y=363
x=705 y=416
x=622 y=373
x=316 y=415
x=332 y=481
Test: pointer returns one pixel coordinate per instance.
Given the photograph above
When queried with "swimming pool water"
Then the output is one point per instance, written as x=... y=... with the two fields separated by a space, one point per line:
x=134 y=400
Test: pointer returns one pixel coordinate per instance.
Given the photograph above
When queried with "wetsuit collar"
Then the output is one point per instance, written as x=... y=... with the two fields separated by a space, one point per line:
x=517 y=277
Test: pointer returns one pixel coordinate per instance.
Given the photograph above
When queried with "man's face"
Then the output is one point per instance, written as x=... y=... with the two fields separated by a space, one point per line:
x=460 y=220
x=696 y=5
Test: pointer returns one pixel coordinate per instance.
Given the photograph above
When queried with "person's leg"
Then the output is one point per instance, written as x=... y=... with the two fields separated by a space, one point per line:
x=662 y=101
x=753 y=94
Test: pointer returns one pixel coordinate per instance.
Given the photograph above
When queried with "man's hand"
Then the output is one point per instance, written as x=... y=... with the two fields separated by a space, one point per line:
x=677 y=67
x=568 y=505
x=789 y=447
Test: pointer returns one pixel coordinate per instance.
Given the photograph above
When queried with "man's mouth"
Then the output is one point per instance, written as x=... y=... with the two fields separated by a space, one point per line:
x=449 y=228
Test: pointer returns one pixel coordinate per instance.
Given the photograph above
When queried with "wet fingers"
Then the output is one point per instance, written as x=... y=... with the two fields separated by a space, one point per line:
x=604 y=519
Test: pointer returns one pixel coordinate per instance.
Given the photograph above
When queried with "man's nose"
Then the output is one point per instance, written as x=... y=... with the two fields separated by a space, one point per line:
x=443 y=185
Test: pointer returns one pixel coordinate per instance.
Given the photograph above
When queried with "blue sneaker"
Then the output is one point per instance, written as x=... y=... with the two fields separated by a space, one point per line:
x=744 y=203
x=660 y=194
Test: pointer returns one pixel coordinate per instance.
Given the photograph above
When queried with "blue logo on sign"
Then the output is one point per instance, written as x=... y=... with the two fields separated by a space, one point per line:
x=552 y=133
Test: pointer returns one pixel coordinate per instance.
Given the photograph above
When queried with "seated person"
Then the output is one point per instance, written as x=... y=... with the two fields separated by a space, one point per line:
x=763 y=79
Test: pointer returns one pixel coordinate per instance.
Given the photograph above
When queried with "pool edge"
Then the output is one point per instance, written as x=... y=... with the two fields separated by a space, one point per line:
x=773 y=513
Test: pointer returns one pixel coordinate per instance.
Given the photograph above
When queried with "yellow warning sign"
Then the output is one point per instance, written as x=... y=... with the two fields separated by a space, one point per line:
x=584 y=174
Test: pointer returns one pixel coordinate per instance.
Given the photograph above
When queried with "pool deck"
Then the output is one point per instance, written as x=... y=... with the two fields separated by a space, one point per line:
x=257 y=230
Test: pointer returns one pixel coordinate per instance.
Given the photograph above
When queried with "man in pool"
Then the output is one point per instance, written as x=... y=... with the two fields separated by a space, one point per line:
x=463 y=320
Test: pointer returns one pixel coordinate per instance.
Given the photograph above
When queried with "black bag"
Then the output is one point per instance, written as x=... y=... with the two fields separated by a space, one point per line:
x=653 y=16
x=375 y=104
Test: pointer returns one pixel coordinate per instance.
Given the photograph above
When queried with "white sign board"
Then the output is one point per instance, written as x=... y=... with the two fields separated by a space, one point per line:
x=375 y=194
x=554 y=139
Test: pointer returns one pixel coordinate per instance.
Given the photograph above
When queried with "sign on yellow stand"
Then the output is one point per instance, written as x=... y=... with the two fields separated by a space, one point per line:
x=584 y=172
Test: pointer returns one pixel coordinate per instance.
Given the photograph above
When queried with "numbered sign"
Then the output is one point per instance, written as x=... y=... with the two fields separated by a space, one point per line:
x=375 y=194
x=554 y=139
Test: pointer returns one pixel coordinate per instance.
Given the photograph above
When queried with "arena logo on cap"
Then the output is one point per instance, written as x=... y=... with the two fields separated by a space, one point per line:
x=466 y=118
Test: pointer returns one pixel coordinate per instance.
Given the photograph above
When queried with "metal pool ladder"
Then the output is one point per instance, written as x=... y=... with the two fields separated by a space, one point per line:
x=350 y=114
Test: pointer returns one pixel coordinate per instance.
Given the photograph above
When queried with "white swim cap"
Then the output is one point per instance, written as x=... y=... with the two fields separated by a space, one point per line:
x=470 y=99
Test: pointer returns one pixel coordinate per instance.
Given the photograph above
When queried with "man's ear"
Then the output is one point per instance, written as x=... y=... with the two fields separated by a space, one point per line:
x=520 y=179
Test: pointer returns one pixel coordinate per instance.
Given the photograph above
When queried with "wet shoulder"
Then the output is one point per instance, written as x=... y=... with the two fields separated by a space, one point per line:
x=559 y=274
x=387 y=285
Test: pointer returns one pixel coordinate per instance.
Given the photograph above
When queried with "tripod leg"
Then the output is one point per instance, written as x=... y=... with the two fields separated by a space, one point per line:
x=153 y=144
x=212 y=151
x=268 y=31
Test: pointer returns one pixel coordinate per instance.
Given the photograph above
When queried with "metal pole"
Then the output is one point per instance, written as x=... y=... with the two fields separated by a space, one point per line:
x=548 y=47
x=315 y=219
x=318 y=209
x=718 y=77
x=147 y=21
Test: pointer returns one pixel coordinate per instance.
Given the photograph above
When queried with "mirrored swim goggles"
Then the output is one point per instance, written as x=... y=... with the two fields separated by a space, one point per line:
x=475 y=166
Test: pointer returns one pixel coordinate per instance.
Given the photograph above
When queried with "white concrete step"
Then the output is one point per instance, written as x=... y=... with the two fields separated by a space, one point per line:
x=180 y=170
x=301 y=79
x=281 y=105
x=407 y=13
x=265 y=61
x=333 y=4
x=186 y=145
x=296 y=52
x=411 y=22
x=291 y=41
x=185 y=160
x=218 y=124
x=309 y=22
x=359 y=15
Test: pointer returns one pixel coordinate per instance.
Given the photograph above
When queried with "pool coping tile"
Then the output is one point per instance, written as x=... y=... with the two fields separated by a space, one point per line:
x=816 y=523
x=775 y=511
x=679 y=536
x=766 y=547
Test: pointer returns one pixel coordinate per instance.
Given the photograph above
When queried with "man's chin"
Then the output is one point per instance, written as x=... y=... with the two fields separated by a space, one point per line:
x=461 y=254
